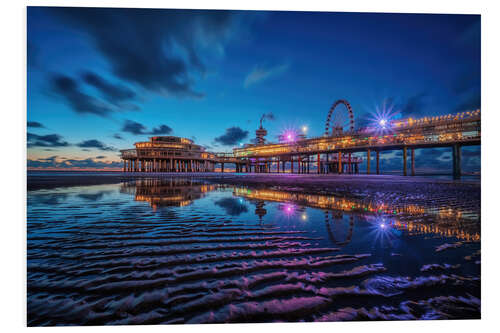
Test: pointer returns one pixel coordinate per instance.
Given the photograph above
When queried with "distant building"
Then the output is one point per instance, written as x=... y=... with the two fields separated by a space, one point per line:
x=167 y=154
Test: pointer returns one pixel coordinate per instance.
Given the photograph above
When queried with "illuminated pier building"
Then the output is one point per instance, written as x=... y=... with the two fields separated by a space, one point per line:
x=168 y=154
x=330 y=153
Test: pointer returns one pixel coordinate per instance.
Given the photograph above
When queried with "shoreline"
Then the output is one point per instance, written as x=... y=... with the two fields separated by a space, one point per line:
x=368 y=186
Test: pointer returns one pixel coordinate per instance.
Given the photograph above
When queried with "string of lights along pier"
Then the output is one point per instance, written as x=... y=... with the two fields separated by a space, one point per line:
x=330 y=153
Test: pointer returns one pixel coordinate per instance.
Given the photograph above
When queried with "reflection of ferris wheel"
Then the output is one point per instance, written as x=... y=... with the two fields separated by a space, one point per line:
x=340 y=119
x=332 y=226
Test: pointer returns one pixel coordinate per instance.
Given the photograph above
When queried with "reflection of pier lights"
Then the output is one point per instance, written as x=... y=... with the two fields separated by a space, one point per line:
x=400 y=212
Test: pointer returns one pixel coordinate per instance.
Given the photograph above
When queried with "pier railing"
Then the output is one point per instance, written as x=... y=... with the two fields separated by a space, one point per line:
x=419 y=134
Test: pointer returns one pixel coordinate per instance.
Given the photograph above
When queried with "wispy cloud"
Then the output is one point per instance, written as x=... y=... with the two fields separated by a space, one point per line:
x=232 y=136
x=35 y=124
x=136 y=128
x=95 y=144
x=261 y=73
x=51 y=140
x=146 y=51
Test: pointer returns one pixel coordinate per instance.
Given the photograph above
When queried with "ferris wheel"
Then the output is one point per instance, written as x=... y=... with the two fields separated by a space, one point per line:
x=340 y=119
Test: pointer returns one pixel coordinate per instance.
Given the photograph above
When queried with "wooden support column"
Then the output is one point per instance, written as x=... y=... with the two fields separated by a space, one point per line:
x=368 y=162
x=319 y=163
x=291 y=162
x=339 y=162
x=404 y=161
x=378 y=162
x=350 y=165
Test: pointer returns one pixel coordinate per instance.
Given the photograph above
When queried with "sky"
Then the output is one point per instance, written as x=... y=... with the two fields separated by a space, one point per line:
x=101 y=79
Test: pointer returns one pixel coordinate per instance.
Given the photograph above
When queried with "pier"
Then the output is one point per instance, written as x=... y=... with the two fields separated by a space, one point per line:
x=330 y=153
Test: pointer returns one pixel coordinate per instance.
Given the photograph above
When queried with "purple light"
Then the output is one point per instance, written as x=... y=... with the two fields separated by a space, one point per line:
x=289 y=209
x=289 y=136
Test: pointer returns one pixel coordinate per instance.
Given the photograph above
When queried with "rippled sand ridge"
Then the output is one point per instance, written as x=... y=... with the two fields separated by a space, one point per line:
x=160 y=251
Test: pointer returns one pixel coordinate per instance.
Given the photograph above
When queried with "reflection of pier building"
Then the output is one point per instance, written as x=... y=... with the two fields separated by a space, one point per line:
x=173 y=192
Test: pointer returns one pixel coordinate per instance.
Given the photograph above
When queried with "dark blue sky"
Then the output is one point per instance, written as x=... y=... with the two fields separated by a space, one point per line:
x=101 y=79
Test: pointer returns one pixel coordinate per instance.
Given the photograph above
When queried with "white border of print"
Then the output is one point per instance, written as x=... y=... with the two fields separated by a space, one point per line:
x=13 y=221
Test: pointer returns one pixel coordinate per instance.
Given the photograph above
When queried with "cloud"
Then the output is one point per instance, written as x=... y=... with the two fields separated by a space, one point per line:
x=114 y=93
x=260 y=73
x=100 y=157
x=95 y=144
x=133 y=127
x=117 y=136
x=158 y=49
x=232 y=136
x=35 y=124
x=51 y=140
x=414 y=106
x=162 y=129
x=136 y=128
x=232 y=206
x=68 y=89
x=268 y=116
x=64 y=163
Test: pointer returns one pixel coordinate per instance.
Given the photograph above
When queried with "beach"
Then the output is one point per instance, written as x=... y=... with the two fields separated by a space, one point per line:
x=115 y=248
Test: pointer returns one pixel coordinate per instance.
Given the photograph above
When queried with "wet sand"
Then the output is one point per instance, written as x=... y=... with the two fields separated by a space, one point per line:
x=61 y=179
x=101 y=255
x=407 y=190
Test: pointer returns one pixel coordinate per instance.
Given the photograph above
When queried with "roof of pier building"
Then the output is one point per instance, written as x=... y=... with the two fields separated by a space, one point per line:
x=170 y=142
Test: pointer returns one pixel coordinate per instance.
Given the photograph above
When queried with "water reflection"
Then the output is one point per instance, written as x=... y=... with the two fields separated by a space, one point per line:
x=414 y=219
x=163 y=193
x=184 y=251
x=335 y=226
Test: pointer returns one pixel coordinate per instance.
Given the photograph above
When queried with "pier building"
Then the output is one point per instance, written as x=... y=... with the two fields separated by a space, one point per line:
x=167 y=154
